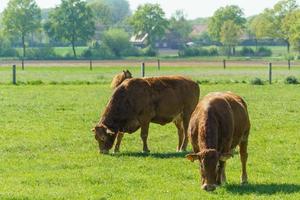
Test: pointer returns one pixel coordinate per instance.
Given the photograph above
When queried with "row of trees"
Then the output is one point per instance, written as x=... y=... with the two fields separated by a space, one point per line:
x=281 y=22
x=77 y=22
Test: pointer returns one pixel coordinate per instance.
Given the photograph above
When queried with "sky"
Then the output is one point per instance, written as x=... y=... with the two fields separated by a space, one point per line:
x=192 y=8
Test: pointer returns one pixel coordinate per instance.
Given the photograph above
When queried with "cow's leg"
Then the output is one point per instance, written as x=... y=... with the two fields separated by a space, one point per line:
x=221 y=177
x=144 y=136
x=118 y=143
x=244 y=156
x=186 y=120
x=179 y=125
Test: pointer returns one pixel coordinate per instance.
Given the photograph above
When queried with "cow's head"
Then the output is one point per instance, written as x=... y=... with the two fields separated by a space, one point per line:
x=209 y=162
x=127 y=74
x=105 y=138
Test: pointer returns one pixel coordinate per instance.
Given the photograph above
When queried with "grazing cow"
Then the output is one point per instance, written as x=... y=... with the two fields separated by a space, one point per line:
x=138 y=101
x=219 y=123
x=117 y=80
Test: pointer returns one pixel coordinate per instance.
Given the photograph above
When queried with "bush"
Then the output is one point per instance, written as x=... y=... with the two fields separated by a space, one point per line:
x=291 y=80
x=117 y=40
x=149 y=51
x=98 y=51
x=263 y=52
x=256 y=81
x=196 y=51
x=41 y=53
x=5 y=48
x=246 y=51
x=213 y=51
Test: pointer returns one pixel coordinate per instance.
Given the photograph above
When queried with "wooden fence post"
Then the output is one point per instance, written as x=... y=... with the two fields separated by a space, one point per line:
x=224 y=64
x=91 y=64
x=158 y=64
x=14 y=73
x=143 y=69
x=270 y=73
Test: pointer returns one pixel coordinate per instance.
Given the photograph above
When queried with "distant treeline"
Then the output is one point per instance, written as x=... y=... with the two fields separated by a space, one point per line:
x=110 y=29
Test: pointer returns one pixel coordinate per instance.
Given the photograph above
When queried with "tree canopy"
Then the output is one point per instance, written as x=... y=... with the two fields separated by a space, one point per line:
x=20 y=18
x=179 y=28
x=149 y=19
x=270 y=23
x=110 y=11
x=71 y=21
x=223 y=14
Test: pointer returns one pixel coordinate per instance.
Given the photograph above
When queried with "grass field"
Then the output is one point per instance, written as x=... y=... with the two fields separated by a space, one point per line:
x=48 y=152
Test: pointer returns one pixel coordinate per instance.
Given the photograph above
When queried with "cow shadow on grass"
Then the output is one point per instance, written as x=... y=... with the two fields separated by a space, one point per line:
x=153 y=155
x=263 y=189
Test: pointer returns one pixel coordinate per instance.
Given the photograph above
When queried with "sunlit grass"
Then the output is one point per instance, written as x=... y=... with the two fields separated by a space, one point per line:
x=48 y=152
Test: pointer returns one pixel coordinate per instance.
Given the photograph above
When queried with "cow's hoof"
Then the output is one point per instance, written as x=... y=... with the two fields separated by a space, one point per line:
x=245 y=182
x=146 y=151
x=116 y=151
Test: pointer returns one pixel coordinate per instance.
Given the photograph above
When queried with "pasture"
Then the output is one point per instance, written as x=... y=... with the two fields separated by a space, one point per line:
x=47 y=150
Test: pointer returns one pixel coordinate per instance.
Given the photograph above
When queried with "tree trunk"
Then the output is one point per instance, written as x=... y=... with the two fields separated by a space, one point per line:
x=74 y=50
x=233 y=50
x=23 y=45
x=256 y=45
x=228 y=51
x=288 y=46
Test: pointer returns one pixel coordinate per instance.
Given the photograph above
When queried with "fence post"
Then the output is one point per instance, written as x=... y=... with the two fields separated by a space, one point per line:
x=14 y=79
x=289 y=63
x=91 y=64
x=22 y=63
x=143 y=69
x=158 y=64
x=270 y=73
x=224 y=64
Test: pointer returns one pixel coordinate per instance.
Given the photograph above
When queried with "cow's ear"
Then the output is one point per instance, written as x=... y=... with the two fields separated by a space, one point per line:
x=225 y=156
x=192 y=157
x=93 y=130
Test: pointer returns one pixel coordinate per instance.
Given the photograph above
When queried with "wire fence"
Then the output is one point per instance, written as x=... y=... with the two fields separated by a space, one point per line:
x=102 y=71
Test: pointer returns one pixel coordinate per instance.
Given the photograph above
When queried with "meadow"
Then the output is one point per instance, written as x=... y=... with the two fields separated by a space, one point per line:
x=47 y=150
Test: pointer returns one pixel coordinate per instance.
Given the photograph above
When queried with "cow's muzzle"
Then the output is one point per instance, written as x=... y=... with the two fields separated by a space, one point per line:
x=208 y=188
x=104 y=151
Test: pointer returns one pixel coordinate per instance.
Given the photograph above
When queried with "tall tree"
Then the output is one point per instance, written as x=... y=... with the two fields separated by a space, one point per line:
x=113 y=11
x=149 y=19
x=291 y=25
x=230 y=34
x=71 y=21
x=179 y=28
x=20 y=18
x=271 y=22
x=259 y=26
x=281 y=10
x=223 y=14
x=102 y=12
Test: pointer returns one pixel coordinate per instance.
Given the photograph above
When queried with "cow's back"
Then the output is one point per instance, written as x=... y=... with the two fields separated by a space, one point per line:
x=172 y=95
x=219 y=118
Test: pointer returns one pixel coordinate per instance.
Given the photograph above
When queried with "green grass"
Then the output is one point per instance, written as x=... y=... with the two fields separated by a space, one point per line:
x=80 y=75
x=48 y=152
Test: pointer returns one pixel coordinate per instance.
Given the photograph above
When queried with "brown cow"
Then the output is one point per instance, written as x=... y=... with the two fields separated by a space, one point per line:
x=138 y=101
x=117 y=80
x=219 y=123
